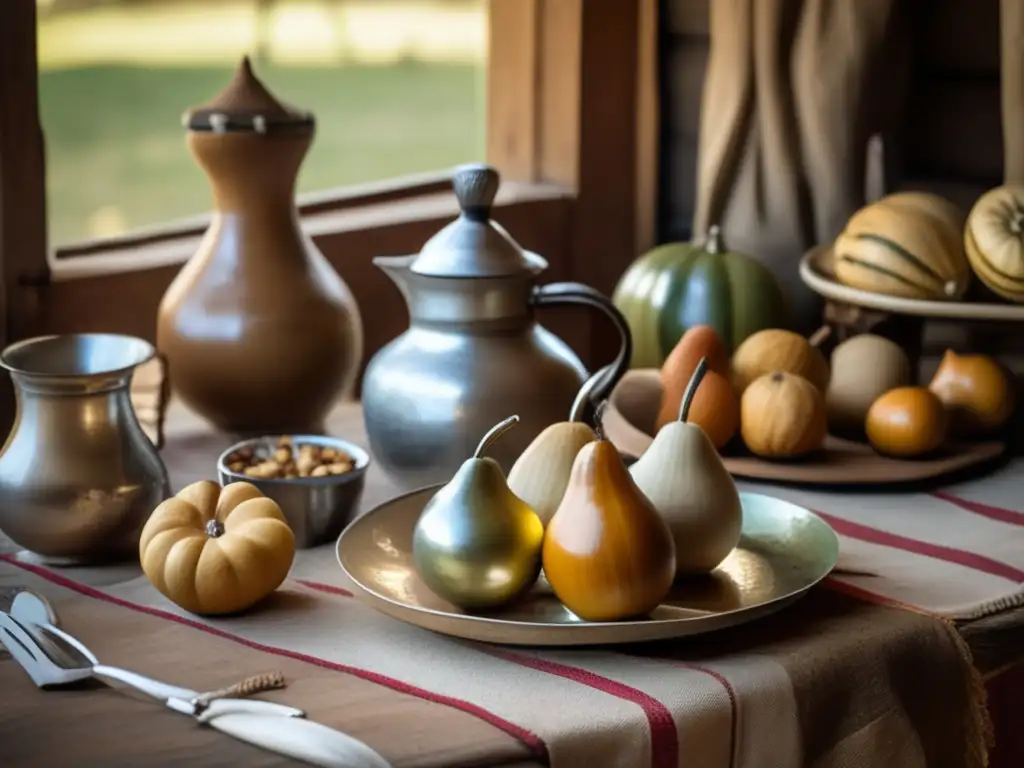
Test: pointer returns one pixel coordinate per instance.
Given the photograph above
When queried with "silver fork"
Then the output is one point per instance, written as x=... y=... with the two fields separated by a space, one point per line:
x=70 y=661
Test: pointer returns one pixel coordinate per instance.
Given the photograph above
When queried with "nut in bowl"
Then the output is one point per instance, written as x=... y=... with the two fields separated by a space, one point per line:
x=316 y=480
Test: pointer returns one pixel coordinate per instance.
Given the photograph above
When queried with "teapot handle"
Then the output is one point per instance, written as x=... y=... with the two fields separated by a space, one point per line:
x=580 y=294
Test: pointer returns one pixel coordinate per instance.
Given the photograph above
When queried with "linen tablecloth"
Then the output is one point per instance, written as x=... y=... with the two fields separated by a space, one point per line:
x=842 y=678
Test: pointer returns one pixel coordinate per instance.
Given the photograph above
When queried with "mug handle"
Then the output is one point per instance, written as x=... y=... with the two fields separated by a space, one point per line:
x=579 y=294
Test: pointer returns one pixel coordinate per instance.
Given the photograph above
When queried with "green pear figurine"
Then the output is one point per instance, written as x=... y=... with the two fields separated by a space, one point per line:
x=476 y=544
x=684 y=477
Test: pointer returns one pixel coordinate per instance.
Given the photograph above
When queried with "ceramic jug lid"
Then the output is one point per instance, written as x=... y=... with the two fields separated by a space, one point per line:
x=473 y=245
x=246 y=105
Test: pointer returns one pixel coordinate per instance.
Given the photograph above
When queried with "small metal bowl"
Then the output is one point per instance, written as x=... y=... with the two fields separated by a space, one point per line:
x=317 y=508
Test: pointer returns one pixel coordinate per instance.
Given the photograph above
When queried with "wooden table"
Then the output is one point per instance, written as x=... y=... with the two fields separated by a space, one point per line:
x=996 y=641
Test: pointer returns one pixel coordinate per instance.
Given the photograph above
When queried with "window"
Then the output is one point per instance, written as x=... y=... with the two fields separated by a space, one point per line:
x=570 y=121
x=397 y=87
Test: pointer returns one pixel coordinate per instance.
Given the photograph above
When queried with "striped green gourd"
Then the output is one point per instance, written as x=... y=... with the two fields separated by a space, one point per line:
x=679 y=285
x=907 y=244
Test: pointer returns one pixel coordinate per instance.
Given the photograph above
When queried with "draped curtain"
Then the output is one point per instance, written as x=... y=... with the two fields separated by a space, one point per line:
x=794 y=91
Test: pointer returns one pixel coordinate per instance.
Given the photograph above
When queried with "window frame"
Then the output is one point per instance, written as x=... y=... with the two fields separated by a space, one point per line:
x=572 y=125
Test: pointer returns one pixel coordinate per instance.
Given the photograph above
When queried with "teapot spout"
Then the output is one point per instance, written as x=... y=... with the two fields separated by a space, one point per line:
x=397 y=268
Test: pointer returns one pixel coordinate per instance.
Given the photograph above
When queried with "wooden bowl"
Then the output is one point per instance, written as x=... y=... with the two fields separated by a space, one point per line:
x=632 y=412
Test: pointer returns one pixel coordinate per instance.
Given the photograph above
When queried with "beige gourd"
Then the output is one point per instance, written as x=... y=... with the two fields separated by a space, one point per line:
x=216 y=551
x=907 y=244
x=775 y=349
x=682 y=475
x=994 y=241
x=863 y=369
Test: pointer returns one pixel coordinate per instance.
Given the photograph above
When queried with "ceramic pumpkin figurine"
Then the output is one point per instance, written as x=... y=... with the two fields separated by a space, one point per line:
x=907 y=244
x=976 y=391
x=906 y=422
x=216 y=551
x=677 y=286
x=782 y=416
x=993 y=240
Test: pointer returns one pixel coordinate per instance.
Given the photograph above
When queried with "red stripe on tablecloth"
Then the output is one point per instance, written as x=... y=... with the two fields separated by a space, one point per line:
x=852 y=590
x=328 y=588
x=664 y=737
x=722 y=680
x=984 y=510
x=731 y=693
x=936 y=551
x=531 y=740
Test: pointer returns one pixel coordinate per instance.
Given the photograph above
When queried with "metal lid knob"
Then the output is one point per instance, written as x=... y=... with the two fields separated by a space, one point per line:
x=476 y=185
x=473 y=245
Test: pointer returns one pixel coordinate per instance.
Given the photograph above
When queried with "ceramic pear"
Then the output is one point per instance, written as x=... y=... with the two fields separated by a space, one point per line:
x=541 y=473
x=608 y=554
x=476 y=544
x=684 y=477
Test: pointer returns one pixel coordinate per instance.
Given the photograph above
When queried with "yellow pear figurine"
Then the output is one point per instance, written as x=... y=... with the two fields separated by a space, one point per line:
x=541 y=473
x=608 y=554
x=682 y=475
x=476 y=544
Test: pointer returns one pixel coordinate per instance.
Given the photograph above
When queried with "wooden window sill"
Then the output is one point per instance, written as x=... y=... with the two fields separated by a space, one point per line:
x=173 y=248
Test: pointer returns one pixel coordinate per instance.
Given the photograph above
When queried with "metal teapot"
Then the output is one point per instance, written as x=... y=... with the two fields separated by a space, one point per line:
x=473 y=353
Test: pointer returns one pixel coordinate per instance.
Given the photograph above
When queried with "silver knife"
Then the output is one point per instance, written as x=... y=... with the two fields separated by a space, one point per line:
x=296 y=737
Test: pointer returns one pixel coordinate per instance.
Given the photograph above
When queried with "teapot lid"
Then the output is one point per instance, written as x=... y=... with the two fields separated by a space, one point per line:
x=473 y=245
x=245 y=105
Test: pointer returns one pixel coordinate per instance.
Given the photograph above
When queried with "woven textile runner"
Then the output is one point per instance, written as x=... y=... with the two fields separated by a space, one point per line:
x=832 y=681
x=957 y=552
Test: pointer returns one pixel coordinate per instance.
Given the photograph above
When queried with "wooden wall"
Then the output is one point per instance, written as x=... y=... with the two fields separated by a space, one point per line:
x=952 y=140
x=684 y=53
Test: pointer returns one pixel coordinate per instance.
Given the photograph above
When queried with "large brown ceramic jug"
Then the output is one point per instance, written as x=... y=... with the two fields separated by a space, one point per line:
x=259 y=331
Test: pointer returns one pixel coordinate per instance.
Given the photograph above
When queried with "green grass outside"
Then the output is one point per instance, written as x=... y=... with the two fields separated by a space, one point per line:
x=116 y=155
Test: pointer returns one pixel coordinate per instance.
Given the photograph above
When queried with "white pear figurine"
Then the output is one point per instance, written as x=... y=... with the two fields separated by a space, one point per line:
x=684 y=477
x=541 y=473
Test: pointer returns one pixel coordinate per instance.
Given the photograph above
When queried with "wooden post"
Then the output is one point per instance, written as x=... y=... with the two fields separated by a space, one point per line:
x=23 y=266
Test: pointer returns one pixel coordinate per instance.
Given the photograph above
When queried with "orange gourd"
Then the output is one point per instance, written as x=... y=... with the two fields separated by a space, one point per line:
x=782 y=416
x=701 y=341
x=714 y=408
x=975 y=390
x=906 y=422
x=776 y=349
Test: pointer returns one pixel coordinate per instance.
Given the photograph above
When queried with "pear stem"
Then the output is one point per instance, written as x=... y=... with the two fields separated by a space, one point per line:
x=713 y=244
x=691 y=388
x=820 y=335
x=599 y=420
x=586 y=391
x=493 y=434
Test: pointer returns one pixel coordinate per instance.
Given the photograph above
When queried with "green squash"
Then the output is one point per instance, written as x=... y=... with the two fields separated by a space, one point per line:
x=679 y=285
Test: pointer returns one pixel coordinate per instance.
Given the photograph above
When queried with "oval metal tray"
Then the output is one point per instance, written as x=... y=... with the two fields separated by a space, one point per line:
x=817 y=274
x=784 y=551
x=632 y=411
